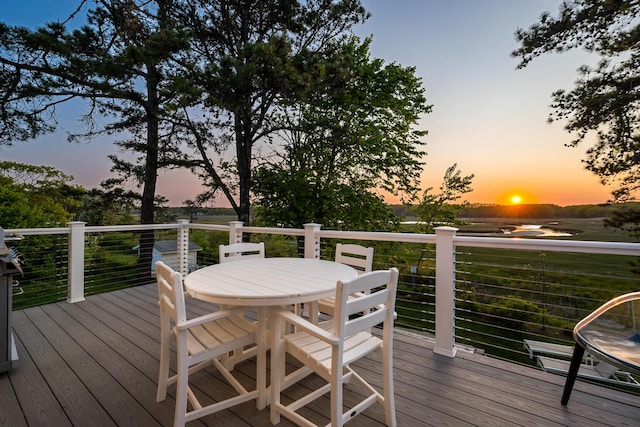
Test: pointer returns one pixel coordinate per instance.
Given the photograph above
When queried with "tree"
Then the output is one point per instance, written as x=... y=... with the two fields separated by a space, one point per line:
x=154 y=66
x=121 y=64
x=605 y=100
x=353 y=136
x=108 y=207
x=249 y=60
x=443 y=208
x=36 y=196
x=16 y=210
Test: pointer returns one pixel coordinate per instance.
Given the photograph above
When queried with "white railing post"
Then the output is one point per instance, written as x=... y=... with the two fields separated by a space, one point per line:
x=75 y=277
x=235 y=232
x=445 y=291
x=183 y=246
x=311 y=240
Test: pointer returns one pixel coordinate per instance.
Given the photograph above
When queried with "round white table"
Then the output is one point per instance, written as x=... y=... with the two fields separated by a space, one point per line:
x=267 y=281
x=264 y=283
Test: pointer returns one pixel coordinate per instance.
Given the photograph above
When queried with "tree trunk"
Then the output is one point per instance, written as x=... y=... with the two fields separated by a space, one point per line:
x=244 y=145
x=147 y=208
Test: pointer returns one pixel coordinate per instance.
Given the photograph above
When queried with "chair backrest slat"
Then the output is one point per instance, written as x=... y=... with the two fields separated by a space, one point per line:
x=365 y=322
x=377 y=305
x=239 y=251
x=356 y=256
x=366 y=301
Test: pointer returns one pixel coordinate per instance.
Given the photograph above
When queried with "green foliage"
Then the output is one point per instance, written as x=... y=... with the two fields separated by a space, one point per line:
x=16 y=210
x=443 y=208
x=36 y=196
x=351 y=137
x=514 y=312
x=626 y=218
x=248 y=62
x=108 y=207
x=121 y=62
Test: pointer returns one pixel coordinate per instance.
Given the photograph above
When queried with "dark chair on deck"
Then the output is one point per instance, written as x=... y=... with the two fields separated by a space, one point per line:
x=610 y=335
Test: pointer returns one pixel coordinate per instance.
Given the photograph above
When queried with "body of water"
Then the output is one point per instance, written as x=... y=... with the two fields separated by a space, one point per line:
x=532 y=230
x=524 y=230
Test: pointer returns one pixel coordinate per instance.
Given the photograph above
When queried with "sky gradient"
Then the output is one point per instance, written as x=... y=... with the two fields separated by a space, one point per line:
x=488 y=117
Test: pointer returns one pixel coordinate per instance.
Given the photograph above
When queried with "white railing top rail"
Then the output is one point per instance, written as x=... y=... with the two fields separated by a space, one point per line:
x=616 y=248
x=38 y=231
x=93 y=229
x=613 y=248
x=372 y=235
x=140 y=227
x=217 y=227
x=273 y=230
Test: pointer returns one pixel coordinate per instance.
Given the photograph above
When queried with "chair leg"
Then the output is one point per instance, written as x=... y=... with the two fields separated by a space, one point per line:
x=576 y=361
x=182 y=392
x=336 y=401
x=277 y=372
x=163 y=372
x=389 y=394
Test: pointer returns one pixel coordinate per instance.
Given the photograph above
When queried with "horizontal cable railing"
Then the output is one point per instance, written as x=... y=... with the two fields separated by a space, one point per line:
x=507 y=290
x=416 y=284
x=506 y=296
x=45 y=270
x=504 y=290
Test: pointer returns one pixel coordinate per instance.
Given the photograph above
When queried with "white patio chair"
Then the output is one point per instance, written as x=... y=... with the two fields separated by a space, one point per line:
x=356 y=256
x=238 y=251
x=200 y=342
x=610 y=335
x=330 y=348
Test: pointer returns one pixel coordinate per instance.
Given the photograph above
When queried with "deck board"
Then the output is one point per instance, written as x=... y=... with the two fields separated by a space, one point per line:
x=95 y=363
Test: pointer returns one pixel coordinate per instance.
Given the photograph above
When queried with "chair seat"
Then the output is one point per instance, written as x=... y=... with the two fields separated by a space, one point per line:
x=303 y=344
x=616 y=346
x=327 y=305
x=225 y=334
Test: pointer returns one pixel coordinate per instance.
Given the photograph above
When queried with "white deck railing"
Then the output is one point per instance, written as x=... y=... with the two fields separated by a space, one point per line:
x=445 y=240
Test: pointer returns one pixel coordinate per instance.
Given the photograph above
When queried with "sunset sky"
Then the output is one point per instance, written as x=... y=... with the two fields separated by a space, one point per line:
x=488 y=117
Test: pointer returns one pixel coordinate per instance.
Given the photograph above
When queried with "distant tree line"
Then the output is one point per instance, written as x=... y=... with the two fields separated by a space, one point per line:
x=529 y=211
x=538 y=211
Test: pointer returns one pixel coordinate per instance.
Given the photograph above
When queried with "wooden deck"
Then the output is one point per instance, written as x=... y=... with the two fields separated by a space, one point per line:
x=95 y=363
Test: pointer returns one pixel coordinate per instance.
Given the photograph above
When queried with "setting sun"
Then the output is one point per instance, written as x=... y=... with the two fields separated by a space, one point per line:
x=516 y=199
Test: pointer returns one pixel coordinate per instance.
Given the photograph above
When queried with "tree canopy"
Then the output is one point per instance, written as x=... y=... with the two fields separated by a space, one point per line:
x=251 y=61
x=208 y=74
x=210 y=84
x=443 y=208
x=36 y=196
x=606 y=99
x=119 y=62
x=354 y=135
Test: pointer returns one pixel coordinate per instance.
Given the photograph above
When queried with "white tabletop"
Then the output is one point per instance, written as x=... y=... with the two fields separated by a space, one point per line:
x=267 y=281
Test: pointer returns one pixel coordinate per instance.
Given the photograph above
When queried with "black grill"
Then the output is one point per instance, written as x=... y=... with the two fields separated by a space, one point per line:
x=10 y=264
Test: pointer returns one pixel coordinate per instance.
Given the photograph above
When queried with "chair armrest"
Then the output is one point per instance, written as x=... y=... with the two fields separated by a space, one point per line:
x=216 y=315
x=603 y=308
x=308 y=327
